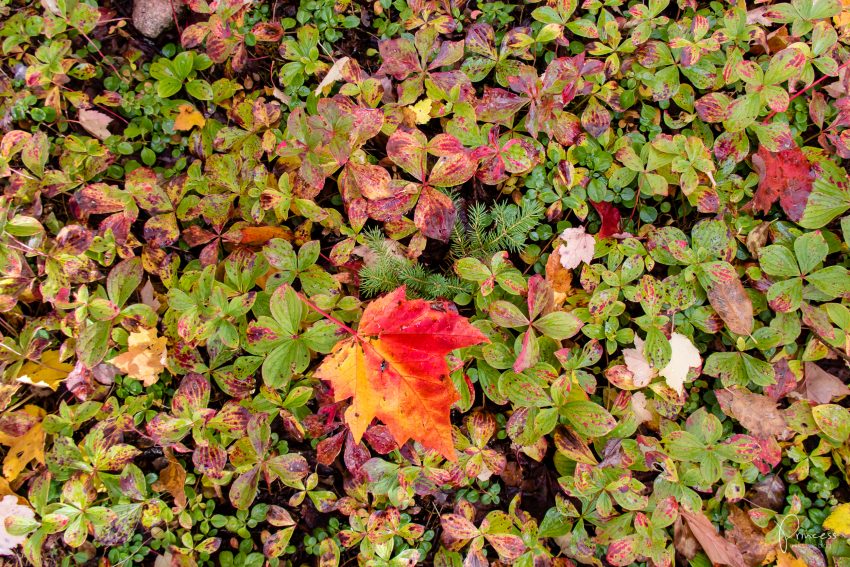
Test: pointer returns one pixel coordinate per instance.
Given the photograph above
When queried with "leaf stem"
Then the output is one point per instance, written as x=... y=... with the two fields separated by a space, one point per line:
x=807 y=88
x=327 y=316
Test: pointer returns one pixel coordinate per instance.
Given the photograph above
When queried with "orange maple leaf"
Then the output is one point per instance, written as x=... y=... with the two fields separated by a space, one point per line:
x=394 y=368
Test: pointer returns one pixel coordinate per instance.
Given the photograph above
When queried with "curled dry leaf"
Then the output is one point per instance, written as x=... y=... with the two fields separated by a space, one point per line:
x=145 y=356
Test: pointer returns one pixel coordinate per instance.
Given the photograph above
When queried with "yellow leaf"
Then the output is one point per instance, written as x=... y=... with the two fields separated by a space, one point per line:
x=188 y=118
x=46 y=373
x=145 y=356
x=25 y=448
x=839 y=520
x=422 y=111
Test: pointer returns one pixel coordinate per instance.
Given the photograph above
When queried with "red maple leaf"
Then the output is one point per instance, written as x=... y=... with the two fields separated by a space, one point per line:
x=394 y=368
x=785 y=175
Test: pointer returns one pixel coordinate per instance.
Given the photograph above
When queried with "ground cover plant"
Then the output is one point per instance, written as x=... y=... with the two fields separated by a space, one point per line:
x=438 y=282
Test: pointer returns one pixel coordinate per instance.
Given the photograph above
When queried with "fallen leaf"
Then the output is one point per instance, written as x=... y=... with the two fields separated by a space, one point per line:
x=188 y=117
x=748 y=538
x=422 y=111
x=148 y=296
x=145 y=356
x=578 y=247
x=46 y=373
x=727 y=296
x=334 y=74
x=684 y=357
x=258 y=235
x=172 y=479
x=11 y=509
x=637 y=364
x=95 y=123
x=755 y=412
x=610 y=216
x=560 y=278
x=394 y=368
x=785 y=559
x=639 y=407
x=820 y=386
x=838 y=520
x=785 y=175
x=24 y=448
x=719 y=550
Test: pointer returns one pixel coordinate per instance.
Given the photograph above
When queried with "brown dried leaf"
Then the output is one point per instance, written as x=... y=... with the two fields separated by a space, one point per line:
x=719 y=550
x=172 y=479
x=748 y=538
x=755 y=412
x=820 y=386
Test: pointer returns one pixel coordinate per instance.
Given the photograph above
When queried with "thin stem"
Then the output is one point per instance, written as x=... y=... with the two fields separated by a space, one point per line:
x=328 y=316
x=803 y=91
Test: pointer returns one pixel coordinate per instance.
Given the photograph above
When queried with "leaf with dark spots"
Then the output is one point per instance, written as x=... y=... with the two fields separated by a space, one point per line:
x=787 y=176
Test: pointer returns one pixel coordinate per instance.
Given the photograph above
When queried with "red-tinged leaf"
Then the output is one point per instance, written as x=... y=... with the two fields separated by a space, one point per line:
x=404 y=198
x=380 y=439
x=519 y=155
x=267 y=31
x=786 y=380
x=408 y=151
x=499 y=105
x=196 y=236
x=276 y=544
x=193 y=394
x=452 y=170
x=610 y=216
x=194 y=35
x=373 y=181
x=786 y=175
x=435 y=214
x=399 y=58
x=713 y=107
x=622 y=551
x=100 y=198
x=209 y=459
x=328 y=449
x=728 y=297
x=355 y=455
x=450 y=52
x=719 y=550
x=595 y=119
x=395 y=369
x=458 y=529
